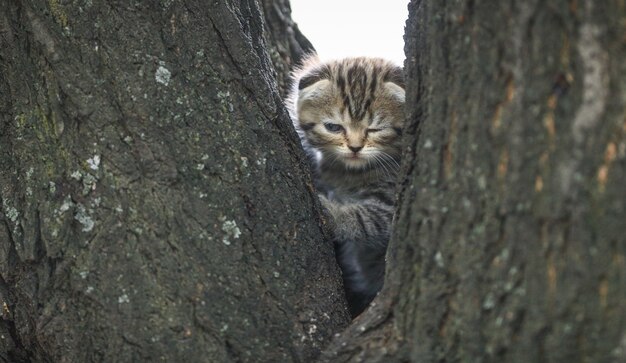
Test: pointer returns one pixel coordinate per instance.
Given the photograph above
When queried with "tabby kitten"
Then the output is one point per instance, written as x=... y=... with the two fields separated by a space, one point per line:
x=349 y=115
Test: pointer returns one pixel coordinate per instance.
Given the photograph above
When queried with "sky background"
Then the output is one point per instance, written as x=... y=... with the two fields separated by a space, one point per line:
x=342 y=28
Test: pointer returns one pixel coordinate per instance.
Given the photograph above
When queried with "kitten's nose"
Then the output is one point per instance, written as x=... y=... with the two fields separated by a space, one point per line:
x=355 y=149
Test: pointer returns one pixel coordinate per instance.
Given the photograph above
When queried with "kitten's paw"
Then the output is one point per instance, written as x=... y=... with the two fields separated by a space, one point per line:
x=327 y=211
x=324 y=201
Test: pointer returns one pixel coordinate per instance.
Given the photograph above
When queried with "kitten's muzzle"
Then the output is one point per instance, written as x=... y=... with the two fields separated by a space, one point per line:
x=355 y=149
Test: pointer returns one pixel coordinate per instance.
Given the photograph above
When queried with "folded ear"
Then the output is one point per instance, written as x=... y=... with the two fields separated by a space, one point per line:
x=396 y=75
x=313 y=76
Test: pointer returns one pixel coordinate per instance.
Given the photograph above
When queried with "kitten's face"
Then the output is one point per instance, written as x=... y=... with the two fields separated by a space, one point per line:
x=356 y=124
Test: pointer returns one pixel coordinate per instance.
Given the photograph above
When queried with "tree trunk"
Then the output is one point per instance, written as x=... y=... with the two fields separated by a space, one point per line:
x=155 y=203
x=509 y=242
x=286 y=44
x=155 y=200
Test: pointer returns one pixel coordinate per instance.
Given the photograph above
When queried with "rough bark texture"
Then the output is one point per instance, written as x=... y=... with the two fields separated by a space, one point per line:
x=286 y=44
x=509 y=242
x=154 y=205
x=154 y=201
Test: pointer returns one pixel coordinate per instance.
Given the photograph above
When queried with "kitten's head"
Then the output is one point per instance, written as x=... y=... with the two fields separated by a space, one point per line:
x=351 y=110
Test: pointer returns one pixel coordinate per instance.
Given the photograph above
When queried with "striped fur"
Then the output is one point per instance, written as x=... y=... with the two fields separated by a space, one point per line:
x=349 y=115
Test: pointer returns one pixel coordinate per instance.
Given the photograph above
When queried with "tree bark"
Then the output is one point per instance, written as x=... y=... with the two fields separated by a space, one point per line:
x=156 y=204
x=509 y=243
x=286 y=44
x=155 y=200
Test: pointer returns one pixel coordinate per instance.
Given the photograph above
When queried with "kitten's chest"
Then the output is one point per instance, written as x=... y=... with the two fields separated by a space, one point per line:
x=347 y=186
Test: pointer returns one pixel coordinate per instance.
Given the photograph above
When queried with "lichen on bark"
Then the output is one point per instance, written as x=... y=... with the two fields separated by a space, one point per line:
x=142 y=148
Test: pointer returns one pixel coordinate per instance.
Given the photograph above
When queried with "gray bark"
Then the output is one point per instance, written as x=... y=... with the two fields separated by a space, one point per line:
x=286 y=44
x=155 y=201
x=509 y=243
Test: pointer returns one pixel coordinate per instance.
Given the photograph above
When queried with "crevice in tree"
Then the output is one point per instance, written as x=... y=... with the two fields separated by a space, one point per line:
x=20 y=353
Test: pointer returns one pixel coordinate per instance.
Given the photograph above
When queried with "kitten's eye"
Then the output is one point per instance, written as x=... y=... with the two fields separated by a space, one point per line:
x=333 y=127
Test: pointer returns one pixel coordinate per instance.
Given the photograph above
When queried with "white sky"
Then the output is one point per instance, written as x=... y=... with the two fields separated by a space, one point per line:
x=341 y=28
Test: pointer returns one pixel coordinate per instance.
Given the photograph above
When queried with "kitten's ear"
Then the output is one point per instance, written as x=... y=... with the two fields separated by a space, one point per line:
x=394 y=83
x=396 y=75
x=313 y=76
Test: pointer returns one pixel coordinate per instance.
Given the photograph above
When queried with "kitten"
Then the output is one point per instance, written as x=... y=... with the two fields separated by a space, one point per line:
x=349 y=115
